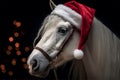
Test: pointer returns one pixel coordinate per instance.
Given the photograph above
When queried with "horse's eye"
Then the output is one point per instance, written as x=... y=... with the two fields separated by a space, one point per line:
x=62 y=30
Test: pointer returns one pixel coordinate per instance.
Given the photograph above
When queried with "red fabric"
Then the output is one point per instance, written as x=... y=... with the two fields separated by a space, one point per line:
x=87 y=14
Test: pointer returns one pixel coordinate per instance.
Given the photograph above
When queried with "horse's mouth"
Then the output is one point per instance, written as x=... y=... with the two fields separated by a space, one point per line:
x=37 y=74
x=40 y=75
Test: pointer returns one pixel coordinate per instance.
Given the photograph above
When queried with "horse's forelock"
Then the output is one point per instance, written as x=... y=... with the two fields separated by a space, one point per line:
x=50 y=18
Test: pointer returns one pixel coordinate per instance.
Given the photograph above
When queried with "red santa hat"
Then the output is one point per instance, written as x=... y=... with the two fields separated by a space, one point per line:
x=79 y=15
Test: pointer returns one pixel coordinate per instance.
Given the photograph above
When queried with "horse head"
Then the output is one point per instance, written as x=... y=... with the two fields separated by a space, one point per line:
x=56 y=40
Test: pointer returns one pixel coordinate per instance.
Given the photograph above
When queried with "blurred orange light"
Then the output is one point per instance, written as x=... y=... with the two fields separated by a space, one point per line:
x=11 y=39
x=23 y=59
x=17 y=23
x=10 y=47
x=17 y=44
x=16 y=34
x=8 y=52
x=27 y=49
x=13 y=62
x=18 y=53
x=25 y=66
x=10 y=73
x=2 y=66
x=3 y=71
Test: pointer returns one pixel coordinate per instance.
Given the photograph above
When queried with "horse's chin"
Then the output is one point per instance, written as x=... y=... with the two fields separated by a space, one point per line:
x=38 y=74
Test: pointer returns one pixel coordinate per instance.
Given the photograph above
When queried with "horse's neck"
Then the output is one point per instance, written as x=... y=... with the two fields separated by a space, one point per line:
x=102 y=53
x=102 y=56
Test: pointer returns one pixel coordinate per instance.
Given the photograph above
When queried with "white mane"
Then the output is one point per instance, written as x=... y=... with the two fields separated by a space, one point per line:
x=102 y=55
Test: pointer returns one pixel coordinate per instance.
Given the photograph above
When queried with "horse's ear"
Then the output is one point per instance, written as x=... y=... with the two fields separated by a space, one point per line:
x=52 y=4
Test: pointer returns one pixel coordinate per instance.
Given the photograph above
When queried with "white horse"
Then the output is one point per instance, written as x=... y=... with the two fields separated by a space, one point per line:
x=54 y=45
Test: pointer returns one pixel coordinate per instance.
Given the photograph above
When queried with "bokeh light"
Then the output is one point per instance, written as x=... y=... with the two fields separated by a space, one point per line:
x=8 y=52
x=3 y=71
x=10 y=73
x=17 y=23
x=10 y=47
x=27 y=49
x=18 y=53
x=16 y=34
x=13 y=62
x=11 y=39
x=17 y=44
x=2 y=66
x=23 y=59
x=25 y=66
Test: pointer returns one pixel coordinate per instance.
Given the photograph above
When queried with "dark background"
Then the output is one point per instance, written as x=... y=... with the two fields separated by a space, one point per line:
x=31 y=14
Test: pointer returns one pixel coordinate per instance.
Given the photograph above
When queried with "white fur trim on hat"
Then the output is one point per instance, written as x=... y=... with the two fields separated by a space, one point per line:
x=78 y=54
x=68 y=14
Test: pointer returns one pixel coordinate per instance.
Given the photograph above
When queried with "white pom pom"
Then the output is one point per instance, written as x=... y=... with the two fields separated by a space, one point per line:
x=78 y=54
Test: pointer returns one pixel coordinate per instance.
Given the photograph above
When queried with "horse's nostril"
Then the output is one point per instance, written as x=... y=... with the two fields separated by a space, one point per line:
x=35 y=65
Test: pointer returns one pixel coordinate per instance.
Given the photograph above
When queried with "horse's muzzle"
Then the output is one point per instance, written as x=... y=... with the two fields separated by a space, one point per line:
x=38 y=64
